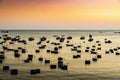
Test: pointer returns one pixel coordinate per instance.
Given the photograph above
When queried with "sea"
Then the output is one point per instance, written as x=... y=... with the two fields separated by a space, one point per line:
x=105 y=43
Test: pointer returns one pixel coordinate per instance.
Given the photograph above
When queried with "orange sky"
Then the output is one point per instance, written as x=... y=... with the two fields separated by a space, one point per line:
x=60 y=11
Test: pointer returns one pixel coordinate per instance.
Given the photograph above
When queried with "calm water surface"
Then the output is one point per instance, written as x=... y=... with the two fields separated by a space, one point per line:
x=106 y=68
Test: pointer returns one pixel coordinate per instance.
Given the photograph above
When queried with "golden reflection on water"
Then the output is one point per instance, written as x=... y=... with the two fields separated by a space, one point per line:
x=108 y=62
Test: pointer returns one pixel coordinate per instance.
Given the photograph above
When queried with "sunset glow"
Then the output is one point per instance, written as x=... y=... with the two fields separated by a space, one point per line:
x=59 y=11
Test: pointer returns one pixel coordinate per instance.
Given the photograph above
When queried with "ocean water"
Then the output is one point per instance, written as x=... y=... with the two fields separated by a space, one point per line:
x=105 y=68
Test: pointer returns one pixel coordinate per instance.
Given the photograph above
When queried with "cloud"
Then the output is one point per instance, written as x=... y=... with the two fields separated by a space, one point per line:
x=29 y=1
x=40 y=1
x=1 y=1
x=59 y=1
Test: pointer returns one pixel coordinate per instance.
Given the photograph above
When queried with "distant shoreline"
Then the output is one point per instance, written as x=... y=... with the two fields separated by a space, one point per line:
x=54 y=30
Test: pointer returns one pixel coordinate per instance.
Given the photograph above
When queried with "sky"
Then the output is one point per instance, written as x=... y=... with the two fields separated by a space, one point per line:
x=60 y=14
